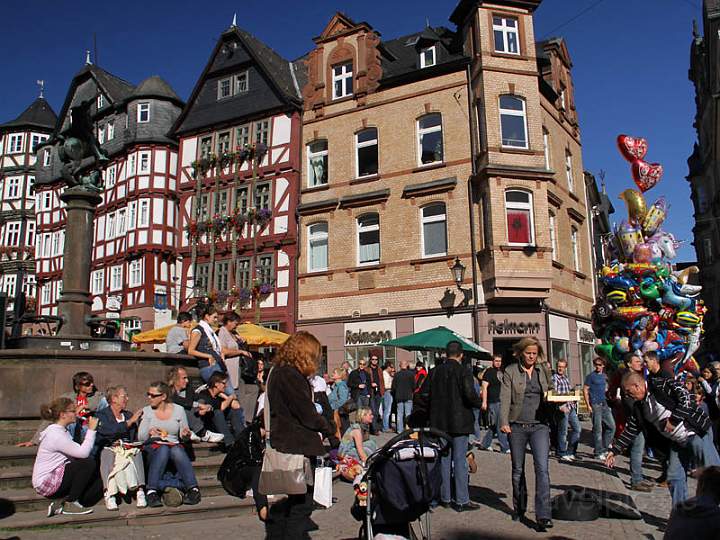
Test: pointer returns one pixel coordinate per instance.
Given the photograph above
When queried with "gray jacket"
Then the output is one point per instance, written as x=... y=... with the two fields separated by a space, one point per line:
x=512 y=391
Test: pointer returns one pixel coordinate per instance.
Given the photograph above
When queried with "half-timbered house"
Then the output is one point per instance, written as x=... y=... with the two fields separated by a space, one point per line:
x=19 y=140
x=135 y=238
x=238 y=181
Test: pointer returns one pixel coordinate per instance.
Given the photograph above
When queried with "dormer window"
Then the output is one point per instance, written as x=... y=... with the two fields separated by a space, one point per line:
x=233 y=86
x=100 y=101
x=241 y=82
x=505 y=31
x=224 y=88
x=427 y=57
x=342 y=75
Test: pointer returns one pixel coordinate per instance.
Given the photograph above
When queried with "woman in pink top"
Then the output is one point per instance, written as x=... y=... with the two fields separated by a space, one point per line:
x=63 y=469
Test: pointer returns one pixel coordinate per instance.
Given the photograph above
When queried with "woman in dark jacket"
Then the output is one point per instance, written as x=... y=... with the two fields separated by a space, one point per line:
x=522 y=416
x=295 y=428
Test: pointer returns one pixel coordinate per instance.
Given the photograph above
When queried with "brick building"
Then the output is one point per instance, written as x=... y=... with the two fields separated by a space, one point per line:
x=19 y=140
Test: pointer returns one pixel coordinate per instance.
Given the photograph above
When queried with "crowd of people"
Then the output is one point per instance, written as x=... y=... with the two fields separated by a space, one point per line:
x=92 y=448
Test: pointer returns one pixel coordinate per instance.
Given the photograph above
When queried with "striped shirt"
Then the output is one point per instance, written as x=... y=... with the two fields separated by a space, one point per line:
x=563 y=386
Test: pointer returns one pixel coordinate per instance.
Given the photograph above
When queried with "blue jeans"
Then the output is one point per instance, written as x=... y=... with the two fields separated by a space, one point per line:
x=157 y=464
x=404 y=409
x=475 y=435
x=454 y=471
x=494 y=429
x=569 y=419
x=636 y=457
x=701 y=450
x=602 y=417
x=538 y=435
x=387 y=409
x=237 y=421
x=207 y=371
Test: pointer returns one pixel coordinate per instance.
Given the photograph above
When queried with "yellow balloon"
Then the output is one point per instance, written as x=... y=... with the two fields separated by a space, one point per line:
x=635 y=202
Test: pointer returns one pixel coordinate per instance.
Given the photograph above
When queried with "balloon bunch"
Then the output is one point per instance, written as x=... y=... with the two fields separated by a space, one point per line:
x=644 y=304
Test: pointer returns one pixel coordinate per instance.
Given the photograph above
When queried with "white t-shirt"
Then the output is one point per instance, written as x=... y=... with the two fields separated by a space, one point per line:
x=387 y=379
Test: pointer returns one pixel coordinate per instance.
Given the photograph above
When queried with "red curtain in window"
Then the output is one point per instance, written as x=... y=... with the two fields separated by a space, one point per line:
x=518 y=224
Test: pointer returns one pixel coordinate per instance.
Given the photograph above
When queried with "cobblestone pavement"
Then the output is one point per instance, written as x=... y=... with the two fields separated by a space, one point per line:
x=490 y=486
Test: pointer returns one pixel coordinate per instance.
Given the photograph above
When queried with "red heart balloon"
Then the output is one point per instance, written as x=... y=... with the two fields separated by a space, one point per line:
x=646 y=175
x=632 y=148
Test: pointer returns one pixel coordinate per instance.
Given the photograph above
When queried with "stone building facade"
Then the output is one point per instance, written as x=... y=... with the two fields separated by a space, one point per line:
x=19 y=140
x=135 y=235
x=704 y=167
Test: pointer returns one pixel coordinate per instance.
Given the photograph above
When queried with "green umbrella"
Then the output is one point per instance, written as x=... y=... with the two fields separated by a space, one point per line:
x=435 y=339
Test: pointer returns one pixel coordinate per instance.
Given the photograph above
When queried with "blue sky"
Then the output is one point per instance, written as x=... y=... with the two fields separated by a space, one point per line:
x=631 y=60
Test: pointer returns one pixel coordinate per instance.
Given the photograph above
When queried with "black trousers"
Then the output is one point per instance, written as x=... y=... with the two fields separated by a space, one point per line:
x=290 y=518
x=81 y=482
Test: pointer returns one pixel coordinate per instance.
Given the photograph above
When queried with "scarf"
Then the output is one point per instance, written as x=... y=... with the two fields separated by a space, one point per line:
x=212 y=337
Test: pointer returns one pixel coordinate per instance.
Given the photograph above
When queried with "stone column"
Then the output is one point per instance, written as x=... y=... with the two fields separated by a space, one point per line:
x=75 y=302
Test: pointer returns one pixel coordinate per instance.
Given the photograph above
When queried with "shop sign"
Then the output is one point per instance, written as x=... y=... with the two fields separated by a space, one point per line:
x=368 y=333
x=506 y=328
x=114 y=303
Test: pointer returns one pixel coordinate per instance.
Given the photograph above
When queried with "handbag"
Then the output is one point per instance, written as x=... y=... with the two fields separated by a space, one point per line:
x=281 y=473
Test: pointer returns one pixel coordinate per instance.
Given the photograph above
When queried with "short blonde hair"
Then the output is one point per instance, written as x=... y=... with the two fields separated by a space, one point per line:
x=341 y=372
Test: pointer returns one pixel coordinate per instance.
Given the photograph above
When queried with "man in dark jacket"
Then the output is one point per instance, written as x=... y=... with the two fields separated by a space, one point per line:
x=403 y=388
x=377 y=389
x=359 y=383
x=698 y=518
x=451 y=398
x=670 y=420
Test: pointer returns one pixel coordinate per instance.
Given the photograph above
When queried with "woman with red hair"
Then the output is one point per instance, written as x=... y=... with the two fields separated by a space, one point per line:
x=295 y=428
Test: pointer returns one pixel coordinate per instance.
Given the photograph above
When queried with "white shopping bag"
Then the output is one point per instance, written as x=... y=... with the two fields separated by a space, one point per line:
x=322 y=492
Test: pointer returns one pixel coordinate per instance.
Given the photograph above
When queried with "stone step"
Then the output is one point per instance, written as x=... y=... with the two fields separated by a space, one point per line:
x=19 y=477
x=211 y=507
x=26 y=500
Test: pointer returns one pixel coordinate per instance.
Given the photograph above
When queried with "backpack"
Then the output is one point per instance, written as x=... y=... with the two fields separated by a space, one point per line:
x=244 y=459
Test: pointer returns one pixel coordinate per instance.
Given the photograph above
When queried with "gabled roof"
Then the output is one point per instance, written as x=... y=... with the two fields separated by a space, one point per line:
x=155 y=87
x=281 y=77
x=340 y=24
x=463 y=7
x=39 y=114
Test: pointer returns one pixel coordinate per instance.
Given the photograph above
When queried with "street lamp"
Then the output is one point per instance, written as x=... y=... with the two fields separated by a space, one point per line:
x=458 y=272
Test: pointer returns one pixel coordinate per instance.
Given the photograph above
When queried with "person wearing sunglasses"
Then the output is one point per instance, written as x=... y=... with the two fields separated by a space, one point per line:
x=163 y=426
x=63 y=469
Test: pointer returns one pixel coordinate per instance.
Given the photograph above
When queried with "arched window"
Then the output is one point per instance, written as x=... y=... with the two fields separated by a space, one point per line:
x=317 y=153
x=434 y=230
x=430 y=139
x=518 y=211
x=317 y=235
x=513 y=122
x=366 y=152
x=368 y=237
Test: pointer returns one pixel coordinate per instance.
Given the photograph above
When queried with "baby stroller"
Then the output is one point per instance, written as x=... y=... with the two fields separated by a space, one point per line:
x=401 y=481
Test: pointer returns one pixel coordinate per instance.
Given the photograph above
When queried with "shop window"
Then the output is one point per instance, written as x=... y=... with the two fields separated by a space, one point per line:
x=354 y=354
x=587 y=353
x=368 y=231
x=518 y=210
x=558 y=351
x=430 y=139
x=318 y=247
x=434 y=230
x=513 y=122
x=317 y=163
x=366 y=152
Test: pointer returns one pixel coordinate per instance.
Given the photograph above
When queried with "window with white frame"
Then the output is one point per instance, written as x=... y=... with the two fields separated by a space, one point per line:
x=243 y=277
x=110 y=130
x=317 y=246
x=9 y=283
x=202 y=276
x=546 y=147
x=131 y=327
x=29 y=285
x=58 y=289
x=46 y=200
x=575 y=248
x=143 y=113
x=569 y=171
x=45 y=292
x=15 y=143
x=505 y=32
x=47 y=155
x=144 y=214
x=513 y=122
x=553 y=235
x=430 y=139
x=121 y=221
x=519 y=217
x=221 y=202
x=36 y=140
x=262 y=132
x=317 y=153
x=30 y=234
x=368 y=238
x=116 y=278
x=132 y=164
x=242 y=137
x=241 y=199
x=262 y=196
x=101 y=134
x=144 y=162
x=110 y=226
x=97 y=281
x=427 y=57
x=223 y=144
x=47 y=244
x=56 y=244
x=366 y=152
x=222 y=275
x=135 y=278
x=12 y=233
x=224 y=88
x=342 y=76
x=203 y=208
x=241 y=83
x=205 y=147
x=110 y=175
x=12 y=187
x=30 y=187
x=264 y=269
x=434 y=230
x=132 y=215
x=100 y=100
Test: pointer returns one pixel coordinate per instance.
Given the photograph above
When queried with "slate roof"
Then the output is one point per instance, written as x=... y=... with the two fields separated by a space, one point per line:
x=155 y=86
x=38 y=114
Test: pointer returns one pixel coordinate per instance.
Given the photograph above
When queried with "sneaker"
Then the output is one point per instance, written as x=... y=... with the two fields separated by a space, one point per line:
x=486 y=448
x=54 y=509
x=467 y=507
x=567 y=458
x=110 y=502
x=74 y=509
x=141 y=501
x=472 y=465
x=153 y=499
x=194 y=438
x=641 y=487
x=212 y=437
x=172 y=497
x=192 y=496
